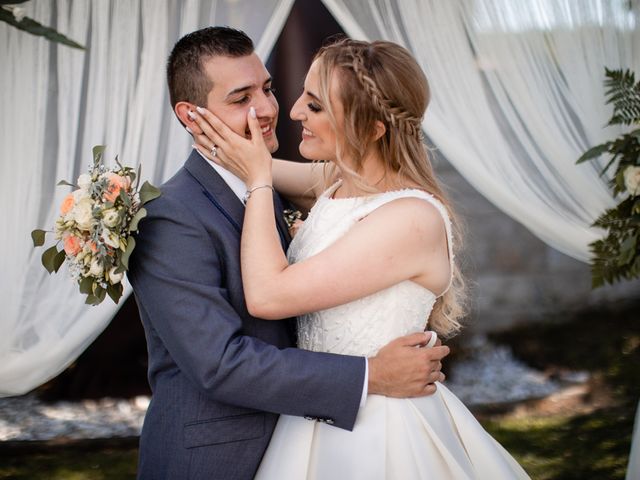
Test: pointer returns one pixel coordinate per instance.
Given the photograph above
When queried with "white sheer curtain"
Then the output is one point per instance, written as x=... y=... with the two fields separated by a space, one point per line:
x=517 y=96
x=57 y=103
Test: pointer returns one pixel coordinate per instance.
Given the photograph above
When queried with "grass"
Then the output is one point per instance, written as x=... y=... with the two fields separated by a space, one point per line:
x=578 y=445
x=71 y=464
x=590 y=443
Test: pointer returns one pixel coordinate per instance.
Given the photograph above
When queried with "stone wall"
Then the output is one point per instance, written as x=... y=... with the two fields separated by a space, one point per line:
x=514 y=276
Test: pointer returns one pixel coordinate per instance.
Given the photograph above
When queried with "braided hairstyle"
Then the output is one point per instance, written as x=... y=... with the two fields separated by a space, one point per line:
x=382 y=82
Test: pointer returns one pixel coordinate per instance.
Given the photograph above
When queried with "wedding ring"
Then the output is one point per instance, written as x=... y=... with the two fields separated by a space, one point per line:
x=214 y=151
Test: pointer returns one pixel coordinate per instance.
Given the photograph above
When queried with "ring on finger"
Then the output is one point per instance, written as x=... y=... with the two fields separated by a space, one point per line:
x=214 y=151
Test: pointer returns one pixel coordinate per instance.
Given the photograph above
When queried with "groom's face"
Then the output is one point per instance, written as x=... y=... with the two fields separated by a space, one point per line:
x=238 y=84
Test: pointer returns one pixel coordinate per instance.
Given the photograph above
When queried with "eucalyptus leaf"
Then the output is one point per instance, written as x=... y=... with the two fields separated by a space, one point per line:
x=58 y=260
x=64 y=182
x=38 y=237
x=594 y=152
x=92 y=300
x=98 y=151
x=100 y=293
x=115 y=292
x=35 y=28
x=140 y=214
x=48 y=258
x=131 y=244
x=148 y=192
x=86 y=285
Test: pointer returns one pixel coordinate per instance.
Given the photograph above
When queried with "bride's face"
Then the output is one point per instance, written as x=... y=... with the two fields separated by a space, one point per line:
x=318 y=135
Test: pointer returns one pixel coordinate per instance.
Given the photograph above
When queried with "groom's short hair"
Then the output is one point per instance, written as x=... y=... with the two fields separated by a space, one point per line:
x=187 y=79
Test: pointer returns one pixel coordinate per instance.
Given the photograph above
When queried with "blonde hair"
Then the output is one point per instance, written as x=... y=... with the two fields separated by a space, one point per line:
x=381 y=81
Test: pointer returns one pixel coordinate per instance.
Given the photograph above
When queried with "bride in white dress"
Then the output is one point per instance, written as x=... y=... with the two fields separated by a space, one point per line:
x=373 y=261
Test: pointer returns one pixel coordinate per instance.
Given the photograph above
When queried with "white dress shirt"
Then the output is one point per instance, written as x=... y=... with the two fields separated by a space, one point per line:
x=240 y=189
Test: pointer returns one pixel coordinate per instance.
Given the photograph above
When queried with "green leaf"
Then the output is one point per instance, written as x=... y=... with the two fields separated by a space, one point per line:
x=100 y=293
x=92 y=300
x=115 y=292
x=35 y=28
x=98 y=151
x=58 y=260
x=627 y=251
x=86 y=285
x=594 y=152
x=48 y=258
x=38 y=237
x=148 y=192
x=140 y=214
x=64 y=182
x=124 y=259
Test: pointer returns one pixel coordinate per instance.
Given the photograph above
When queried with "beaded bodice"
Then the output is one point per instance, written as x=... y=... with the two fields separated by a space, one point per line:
x=365 y=325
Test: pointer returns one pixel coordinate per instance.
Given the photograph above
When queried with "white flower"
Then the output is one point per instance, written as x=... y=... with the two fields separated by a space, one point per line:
x=110 y=217
x=19 y=13
x=96 y=268
x=84 y=181
x=115 y=277
x=80 y=194
x=110 y=238
x=632 y=180
x=83 y=213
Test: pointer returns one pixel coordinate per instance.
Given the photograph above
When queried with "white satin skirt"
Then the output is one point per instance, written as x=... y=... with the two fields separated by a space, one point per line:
x=433 y=437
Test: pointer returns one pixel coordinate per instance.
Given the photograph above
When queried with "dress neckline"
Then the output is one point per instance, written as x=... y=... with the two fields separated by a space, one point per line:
x=330 y=192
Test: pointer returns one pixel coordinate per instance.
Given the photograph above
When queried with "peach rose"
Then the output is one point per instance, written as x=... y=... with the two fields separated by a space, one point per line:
x=67 y=204
x=116 y=183
x=71 y=245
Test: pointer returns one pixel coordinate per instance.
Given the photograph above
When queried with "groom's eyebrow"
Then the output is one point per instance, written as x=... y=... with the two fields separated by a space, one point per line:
x=246 y=88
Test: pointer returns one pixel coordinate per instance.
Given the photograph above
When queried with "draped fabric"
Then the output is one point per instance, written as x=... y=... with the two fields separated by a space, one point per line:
x=517 y=97
x=57 y=104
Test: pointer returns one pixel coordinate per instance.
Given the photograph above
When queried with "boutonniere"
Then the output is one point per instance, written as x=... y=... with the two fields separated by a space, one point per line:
x=293 y=219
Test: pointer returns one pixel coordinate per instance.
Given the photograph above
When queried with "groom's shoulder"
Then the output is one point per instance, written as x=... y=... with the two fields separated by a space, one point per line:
x=177 y=191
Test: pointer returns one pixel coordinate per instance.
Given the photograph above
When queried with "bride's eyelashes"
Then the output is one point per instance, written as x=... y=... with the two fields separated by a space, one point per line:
x=315 y=108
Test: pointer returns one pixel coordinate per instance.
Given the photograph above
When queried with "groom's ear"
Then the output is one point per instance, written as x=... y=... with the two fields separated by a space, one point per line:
x=182 y=110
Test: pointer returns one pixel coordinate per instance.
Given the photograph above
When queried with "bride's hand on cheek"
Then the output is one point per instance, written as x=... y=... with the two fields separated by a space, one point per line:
x=249 y=159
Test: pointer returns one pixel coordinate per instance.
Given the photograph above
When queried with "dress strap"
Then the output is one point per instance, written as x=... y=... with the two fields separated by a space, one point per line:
x=377 y=201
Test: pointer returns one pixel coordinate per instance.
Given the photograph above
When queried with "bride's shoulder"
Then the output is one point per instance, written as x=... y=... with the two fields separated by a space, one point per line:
x=414 y=214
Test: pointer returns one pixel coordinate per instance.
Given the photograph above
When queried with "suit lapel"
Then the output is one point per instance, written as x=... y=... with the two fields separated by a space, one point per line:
x=216 y=190
x=225 y=200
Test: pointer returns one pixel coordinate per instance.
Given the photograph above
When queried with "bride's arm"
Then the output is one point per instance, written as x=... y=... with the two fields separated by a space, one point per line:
x=301 y=183
x=392 y=244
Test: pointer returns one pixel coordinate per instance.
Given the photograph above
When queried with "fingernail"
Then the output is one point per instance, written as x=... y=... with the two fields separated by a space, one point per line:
x=192 y=115
x=200 y=109
x=252 y=112
x=188 y=130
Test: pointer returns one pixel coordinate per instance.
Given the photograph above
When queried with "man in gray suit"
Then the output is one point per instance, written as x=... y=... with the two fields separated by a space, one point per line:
x=219 y=376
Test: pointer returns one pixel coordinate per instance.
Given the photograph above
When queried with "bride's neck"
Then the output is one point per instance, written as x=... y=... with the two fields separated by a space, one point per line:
x=372 y=178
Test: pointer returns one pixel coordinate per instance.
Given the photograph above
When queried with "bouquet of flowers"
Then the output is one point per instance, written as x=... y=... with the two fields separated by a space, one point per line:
x=95 y=226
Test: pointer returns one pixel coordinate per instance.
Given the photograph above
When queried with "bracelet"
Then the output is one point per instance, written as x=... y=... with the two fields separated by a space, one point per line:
x=251 y=190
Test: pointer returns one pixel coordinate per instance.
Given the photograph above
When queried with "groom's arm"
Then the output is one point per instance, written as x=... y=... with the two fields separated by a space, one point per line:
x=177 y=278
x=178 y=282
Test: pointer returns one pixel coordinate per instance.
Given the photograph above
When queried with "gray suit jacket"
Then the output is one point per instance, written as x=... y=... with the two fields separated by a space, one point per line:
x=219 y=376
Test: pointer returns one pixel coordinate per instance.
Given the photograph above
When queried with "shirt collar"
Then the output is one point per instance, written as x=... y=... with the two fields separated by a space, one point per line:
x=235 y=184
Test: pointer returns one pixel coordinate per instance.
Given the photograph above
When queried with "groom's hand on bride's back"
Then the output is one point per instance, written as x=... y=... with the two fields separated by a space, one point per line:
x=402 y=370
